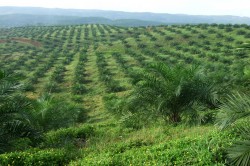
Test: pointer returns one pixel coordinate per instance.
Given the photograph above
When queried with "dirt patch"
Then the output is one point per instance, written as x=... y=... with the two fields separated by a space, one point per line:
x=23 y=40
x=2 y=41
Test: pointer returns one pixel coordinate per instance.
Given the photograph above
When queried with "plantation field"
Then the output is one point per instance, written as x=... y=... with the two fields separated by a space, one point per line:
x=93 y=65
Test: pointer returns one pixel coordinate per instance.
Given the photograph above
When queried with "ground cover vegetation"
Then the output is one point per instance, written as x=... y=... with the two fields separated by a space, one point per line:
x=105 y=95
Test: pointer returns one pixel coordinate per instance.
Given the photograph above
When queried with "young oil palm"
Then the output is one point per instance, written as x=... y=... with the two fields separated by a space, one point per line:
x=51 y=113
x=237 y=108
x=172 y=91
x=14 y=113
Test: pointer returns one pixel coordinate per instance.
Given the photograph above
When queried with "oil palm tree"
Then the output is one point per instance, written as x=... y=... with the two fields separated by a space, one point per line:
x=237 y=109
x=172 y=91
x=52 y=113
x=14 y=113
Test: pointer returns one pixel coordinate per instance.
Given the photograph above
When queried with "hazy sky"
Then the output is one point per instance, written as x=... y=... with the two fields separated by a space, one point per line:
x=204 y=7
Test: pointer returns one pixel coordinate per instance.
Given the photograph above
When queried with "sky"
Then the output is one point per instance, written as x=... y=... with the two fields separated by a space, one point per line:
x=196 y=7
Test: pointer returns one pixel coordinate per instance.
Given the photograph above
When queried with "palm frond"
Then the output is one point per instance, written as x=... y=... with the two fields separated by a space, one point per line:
x=17 y=128
x=7 y=77
x=161 y=69
x=6 y=88
x=171 y=90
x=237 y=106
x=4 y=142
x=245 y=46
x=15 y=112
x=239 y=153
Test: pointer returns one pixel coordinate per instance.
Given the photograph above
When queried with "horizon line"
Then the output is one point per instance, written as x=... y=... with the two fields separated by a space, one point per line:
x=110 y=10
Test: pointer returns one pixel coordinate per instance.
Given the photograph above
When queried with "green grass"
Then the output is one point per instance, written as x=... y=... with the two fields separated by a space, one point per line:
x=158 y=146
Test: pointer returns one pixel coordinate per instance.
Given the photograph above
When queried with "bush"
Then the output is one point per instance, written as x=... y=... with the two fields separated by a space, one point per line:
x=36 y=157
x=208 y=149
x=75 y=136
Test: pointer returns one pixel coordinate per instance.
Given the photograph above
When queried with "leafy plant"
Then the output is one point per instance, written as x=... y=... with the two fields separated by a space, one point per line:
x=79 y=89
x=37 y=157
x=234 y=109
x=15 y=113
x=76 y=136
x=52 y=113
x=172 y=91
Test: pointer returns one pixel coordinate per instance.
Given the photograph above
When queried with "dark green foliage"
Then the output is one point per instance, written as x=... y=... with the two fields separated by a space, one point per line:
x=172 y=91
x=52 y=87
x=52 y=113
x=15 y=113
x=79 y=89
x=28 y=87
x=113 y=86
x=234 y=108
x=58 y=74
x=128 y=119
x=239 y=152
x=75 y=136
x=237 y=109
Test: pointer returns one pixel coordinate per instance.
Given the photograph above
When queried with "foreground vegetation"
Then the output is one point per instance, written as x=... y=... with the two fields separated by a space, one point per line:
x=105 y=95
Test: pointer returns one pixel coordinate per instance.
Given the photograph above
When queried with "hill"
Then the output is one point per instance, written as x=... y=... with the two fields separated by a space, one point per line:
x=89 y=70
x=150 y=18
x=15 y=20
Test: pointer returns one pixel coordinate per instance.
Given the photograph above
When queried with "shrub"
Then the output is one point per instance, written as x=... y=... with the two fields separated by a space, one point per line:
x=36 y=157
x=76 y=136
x=208 y=149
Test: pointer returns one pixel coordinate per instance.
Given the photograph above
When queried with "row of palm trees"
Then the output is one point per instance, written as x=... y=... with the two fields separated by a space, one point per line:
x=173 y=92
x=21 y=117
x=14 y=113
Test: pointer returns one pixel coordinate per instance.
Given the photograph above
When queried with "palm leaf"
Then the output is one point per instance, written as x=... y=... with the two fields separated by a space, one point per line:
x=15 y=115
x=245 y=46
x=237 y=106
x=171 y=90
x=239 y=153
